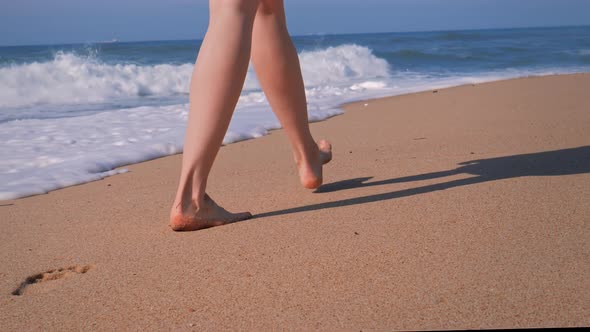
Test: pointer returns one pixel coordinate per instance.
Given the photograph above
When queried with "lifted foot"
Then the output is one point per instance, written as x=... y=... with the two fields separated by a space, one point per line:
x=310 y=168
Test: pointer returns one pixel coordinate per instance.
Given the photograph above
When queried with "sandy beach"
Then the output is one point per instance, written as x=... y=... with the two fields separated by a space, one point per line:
x=458 y=208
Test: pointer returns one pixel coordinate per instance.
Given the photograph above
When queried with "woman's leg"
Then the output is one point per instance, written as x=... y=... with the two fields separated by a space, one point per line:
x=278 y=70
x=217 y=81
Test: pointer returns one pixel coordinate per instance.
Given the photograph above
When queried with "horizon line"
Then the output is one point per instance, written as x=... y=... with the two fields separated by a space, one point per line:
x=115 y=40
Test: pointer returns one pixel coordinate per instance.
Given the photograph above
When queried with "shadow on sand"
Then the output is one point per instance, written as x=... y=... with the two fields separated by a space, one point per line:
x=550 y=163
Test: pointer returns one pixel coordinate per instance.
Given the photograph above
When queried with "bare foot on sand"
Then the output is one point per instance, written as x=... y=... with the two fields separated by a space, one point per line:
x=310 y=167
x=208 y=214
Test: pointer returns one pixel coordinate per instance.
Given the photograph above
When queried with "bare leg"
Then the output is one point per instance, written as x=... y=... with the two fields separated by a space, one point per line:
x=278 y=70
x=217 y=81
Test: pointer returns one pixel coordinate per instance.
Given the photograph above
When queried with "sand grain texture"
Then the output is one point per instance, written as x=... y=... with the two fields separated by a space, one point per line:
x=465 y=208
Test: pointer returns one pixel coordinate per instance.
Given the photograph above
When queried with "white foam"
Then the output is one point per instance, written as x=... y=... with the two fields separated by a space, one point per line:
x=73 y=79
x=343 y=64
x=43 y=155
x=40 y=155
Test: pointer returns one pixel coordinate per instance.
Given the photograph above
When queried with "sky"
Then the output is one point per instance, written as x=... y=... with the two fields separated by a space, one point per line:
x=26 y=22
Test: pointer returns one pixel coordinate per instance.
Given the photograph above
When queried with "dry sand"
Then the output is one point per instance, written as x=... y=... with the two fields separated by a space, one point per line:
x=464 y=208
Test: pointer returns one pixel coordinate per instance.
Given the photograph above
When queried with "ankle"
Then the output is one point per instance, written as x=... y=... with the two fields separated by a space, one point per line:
x=201 y=201
x=188 y=206
x=189 y=197
x=306 y=155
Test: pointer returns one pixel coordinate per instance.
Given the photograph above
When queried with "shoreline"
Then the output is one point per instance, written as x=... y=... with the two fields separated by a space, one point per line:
x=461 y=209
x=340 y=107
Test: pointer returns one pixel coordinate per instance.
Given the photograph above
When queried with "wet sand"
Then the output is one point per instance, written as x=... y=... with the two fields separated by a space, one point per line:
x=459 y=208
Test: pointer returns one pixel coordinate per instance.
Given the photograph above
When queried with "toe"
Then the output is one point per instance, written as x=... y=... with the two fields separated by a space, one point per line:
x=326 y=151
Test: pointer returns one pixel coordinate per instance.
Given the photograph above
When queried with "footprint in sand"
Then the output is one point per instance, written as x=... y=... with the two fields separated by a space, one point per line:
x=56 y=274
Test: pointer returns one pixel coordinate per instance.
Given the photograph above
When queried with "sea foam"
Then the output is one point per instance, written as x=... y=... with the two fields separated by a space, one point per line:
x=70 y=78
x=41 y=154
x=75 y=79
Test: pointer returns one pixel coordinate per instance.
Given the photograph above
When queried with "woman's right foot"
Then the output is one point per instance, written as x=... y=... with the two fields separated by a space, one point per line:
x=208 y=214
x=310 y=168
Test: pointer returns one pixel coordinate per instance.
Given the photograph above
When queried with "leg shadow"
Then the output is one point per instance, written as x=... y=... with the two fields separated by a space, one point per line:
x=549 y=163
x=362 y=182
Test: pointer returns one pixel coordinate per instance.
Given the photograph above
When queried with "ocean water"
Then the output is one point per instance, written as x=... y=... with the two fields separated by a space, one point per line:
x=70 y=114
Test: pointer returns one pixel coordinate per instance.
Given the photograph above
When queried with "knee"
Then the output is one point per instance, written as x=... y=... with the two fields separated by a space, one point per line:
x=243 y=7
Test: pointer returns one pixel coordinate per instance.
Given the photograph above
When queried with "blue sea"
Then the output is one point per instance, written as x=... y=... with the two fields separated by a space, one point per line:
x=70 y=114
